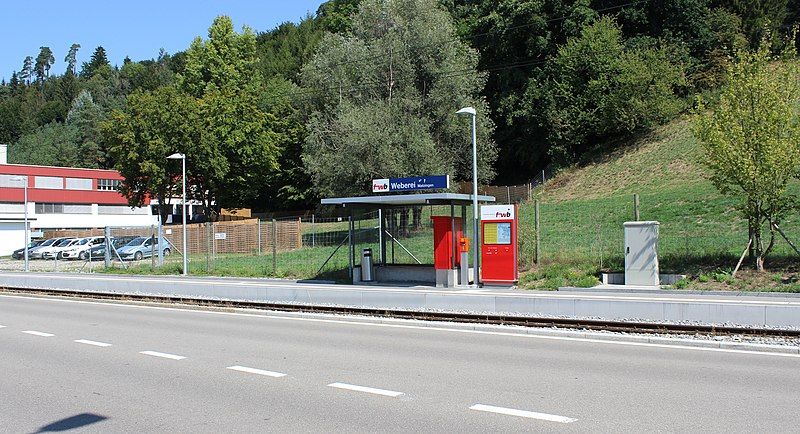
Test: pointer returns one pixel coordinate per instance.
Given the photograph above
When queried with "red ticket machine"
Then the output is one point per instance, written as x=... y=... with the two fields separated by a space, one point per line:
x=499 y=244
x=445 y=246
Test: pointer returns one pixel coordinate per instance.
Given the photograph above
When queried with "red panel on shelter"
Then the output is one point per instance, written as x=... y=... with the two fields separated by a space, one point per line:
x=443 y=247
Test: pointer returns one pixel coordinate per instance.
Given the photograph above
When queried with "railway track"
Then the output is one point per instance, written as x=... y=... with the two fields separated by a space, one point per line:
x=453 y=317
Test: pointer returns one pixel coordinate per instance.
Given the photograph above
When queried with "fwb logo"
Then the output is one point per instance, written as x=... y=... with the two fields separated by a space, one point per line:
x=499 y=215
x=380 y=185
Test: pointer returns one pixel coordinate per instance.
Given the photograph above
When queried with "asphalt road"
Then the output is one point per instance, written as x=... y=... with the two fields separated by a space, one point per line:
x=107 y=367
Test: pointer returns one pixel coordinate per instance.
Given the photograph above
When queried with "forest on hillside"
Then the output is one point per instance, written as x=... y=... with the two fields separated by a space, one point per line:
x=274 y=119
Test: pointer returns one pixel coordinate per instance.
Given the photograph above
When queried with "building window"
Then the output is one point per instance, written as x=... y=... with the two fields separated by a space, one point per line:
x=108 y=184
x=10 y=181
x=49 y=208
x=79 y=184
x=122 y=210
x=62 y=208
x=49 y=182
x=12 y=208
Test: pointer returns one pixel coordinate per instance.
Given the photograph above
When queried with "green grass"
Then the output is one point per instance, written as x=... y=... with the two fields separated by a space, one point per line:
x=582 y=211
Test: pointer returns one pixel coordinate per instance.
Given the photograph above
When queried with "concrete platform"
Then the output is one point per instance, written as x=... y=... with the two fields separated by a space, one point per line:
x=751 y=309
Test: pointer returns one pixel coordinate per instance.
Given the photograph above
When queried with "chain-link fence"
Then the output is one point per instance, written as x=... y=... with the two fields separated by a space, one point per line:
x=695 y=233
x=310 y=247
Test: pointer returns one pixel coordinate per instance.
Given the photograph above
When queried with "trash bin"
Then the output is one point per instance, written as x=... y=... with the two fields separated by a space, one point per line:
x=367 y=266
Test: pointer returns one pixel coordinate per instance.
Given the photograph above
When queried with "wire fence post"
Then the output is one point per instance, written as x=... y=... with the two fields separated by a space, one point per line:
x=537 y=254
x=313 y=231
x=107 y=254
x=160 y=240
x=259 y=237
x=274 y=247
x=152 y=247
x=209 y=236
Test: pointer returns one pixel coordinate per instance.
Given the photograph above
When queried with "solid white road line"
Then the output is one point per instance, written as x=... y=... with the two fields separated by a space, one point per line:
x=371 y=390
x=330 y=319
x=522 y=413
x=95 y=343
x=163 y=355
x=2 y=326
x=35 y=333
x=256 y=371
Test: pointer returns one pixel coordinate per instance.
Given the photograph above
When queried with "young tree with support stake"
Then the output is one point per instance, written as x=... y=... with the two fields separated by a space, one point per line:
x=752 y=141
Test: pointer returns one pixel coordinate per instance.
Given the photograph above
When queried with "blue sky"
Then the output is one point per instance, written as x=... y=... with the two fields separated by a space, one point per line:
x=134 y=28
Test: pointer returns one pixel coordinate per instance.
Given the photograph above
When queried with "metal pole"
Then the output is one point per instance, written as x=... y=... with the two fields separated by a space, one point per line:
x=313 y=231
x=185 y=250
x=475 y=216
x=274 y=248
x=380 y=235
x=636 y=207
x=27 y=228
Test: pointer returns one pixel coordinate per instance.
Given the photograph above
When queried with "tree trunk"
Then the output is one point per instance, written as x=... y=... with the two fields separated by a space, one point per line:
x=417 y=212
x=404 y=222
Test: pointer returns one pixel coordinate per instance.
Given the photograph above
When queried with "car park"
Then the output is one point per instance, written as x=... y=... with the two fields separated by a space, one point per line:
x=80 y=249
x=55 y=250
x=36 y=252
x=20 y=253
x=142 y=247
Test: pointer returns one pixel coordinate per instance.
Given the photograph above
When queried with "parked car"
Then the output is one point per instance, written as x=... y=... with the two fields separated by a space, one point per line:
x=80 y=250
x=118 y=242
x=20 y=253
x=36 y=252
x=142 y=247
x=54 y=251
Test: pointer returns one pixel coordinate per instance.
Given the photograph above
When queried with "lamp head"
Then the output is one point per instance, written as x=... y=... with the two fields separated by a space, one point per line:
x=176 y=156
x=467 y=111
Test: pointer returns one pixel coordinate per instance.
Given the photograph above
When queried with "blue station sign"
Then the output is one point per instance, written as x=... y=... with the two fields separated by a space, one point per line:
x=389 y=185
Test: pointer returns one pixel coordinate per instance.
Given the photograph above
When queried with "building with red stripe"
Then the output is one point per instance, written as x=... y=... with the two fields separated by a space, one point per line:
x=61 y=198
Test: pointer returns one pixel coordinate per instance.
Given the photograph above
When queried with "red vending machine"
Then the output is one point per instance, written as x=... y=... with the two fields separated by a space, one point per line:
x=445 y=248
x=499 y=244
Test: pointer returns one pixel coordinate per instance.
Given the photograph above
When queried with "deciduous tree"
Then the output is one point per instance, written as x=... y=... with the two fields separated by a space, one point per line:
x=752 y=141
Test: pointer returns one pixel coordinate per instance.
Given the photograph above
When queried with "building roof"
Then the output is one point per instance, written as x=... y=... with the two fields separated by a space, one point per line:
x=406 y=200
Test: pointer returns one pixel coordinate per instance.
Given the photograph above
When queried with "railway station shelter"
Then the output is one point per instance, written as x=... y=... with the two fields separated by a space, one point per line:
x=448 y=232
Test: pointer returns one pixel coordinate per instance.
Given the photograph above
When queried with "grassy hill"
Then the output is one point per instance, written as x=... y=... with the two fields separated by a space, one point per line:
x=701 y=233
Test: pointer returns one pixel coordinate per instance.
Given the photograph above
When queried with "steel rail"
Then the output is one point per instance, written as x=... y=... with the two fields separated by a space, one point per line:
x=641 y=327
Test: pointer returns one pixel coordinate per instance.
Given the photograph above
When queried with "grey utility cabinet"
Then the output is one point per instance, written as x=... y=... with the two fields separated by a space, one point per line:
x=641 y=253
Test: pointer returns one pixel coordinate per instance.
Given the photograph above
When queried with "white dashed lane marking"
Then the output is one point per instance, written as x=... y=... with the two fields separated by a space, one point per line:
x=95 y=343
x=162 y=355
x=522 y=413
x=365 y=389
x=256 y=371
x=35 y=333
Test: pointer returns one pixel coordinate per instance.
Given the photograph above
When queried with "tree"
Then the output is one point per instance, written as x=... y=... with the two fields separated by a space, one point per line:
x=238 y=147
x=383 y=101
x=44 y=61
x=98 y=61
x=27 y=70
x=597 y=89
x=54 y=144
x=72 y=58
x=153 y=126
x=751 y=141
x=86 y=116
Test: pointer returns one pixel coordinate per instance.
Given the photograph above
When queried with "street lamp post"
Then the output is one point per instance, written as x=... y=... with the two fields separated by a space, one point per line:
x=182 y=157
x=476 y=261
x=27 y=231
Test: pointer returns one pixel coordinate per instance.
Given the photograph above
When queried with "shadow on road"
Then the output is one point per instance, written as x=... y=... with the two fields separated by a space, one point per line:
x=73 y=422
